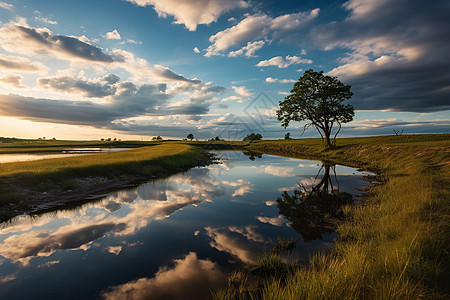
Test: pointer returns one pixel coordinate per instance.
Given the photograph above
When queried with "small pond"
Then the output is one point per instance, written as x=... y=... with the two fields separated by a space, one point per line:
x=173 y=238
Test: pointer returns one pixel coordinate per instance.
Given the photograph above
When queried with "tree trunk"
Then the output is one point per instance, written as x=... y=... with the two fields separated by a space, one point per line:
x=327 y=139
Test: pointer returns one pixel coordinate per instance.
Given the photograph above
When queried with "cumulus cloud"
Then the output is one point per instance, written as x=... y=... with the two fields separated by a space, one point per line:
x=41 y=41
x=14 y=80
x=192 y=13
x=242 y=94
x=249 y=50
x=397 y=58
x=20 y=64
x=256 y=27
x=189 y=278
x=276 y=80
x=280 y=62
x=113 y=35
x=196 y=50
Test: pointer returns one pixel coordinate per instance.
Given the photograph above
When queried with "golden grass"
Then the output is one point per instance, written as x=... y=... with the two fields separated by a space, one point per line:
x=94 y=160
x=395 y=244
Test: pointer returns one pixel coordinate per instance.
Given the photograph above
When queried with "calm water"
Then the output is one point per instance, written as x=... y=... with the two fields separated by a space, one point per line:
x=169 y=239
x=15 y=157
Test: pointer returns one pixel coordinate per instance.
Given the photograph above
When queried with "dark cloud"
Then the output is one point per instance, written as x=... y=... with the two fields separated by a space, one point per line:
x=167 y=73
x=97 y=88
x=400 y=57
x=70 y=45
x=141 y=102
x=42 y=41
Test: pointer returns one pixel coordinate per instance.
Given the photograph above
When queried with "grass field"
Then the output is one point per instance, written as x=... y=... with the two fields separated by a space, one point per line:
x=395 y=245
x=20 y=182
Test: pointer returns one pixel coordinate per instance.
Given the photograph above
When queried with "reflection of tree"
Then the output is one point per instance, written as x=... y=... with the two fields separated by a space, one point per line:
x=252 y=155
x=315 y=212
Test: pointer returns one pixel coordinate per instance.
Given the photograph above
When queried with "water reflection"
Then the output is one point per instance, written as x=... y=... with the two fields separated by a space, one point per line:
x=163 y=237
x=315 y=211
x=187 y=279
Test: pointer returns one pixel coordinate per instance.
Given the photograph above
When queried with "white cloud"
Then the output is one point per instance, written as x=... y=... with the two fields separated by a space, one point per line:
x=196 y=50
x=280 y=62
x=274 y=80
x=254 y=27
x=249 y=50
x=243 y=94
x=7 y=6
x=192 y=13
x=113 y=35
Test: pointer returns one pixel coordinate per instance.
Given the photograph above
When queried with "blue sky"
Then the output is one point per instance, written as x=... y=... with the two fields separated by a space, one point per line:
x=134 y=69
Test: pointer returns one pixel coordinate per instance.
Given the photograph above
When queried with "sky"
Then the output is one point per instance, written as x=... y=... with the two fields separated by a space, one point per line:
x=134 y=69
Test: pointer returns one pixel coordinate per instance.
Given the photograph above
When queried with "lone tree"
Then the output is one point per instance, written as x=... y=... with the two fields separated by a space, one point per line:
x=318 y=98
x=190 y=136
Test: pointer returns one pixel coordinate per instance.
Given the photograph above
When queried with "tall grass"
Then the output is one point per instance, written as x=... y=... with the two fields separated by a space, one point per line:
x=395 y=245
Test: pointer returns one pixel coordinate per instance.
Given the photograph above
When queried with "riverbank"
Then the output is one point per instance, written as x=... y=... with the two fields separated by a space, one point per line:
x=30 y=187
x=395 y=245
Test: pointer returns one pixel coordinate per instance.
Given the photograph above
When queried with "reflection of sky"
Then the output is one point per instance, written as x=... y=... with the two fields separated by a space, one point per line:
x=15 y=157
x=205 y=219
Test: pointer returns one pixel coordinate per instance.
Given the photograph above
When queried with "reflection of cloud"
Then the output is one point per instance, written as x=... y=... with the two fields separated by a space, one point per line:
x=271 y=203
x=249 y=232
x=244 y=187
x=7 y=278
x=239 y=242
x=288 y=188
x=114 y=249
x=138 y=207
x=277 y=221
x=190 y=278
x=42 y=243
x=279 y=171
x=112 y=206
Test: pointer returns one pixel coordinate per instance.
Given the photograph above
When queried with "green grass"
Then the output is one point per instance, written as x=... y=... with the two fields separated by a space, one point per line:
x=60 y=173
x=395 y=245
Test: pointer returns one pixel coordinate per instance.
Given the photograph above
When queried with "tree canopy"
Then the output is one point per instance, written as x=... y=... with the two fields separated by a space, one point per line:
x=317 y=99
x=253 y=137
x=190 y=136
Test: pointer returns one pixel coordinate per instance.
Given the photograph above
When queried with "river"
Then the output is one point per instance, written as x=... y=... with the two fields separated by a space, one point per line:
x=174 y=238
